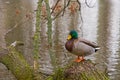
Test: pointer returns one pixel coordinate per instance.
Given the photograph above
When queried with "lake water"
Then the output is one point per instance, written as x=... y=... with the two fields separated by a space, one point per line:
x=101 y=24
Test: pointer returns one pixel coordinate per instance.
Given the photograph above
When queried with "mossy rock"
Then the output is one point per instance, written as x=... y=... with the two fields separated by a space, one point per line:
x=85 y=70
x=16 y=62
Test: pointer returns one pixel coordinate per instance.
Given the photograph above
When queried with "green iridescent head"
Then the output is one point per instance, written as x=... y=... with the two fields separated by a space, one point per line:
x=72 y=35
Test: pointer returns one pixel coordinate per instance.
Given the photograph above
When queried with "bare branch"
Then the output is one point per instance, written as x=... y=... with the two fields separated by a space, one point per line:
x=62 y=10
x=64 y=7
x=68 y=2
x=79 y=5
x=80 y=16
x=55 y=6
x=27 y=17
x=88 y=4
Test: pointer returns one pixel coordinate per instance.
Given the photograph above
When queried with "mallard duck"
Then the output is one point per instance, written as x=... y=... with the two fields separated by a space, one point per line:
x=79 y=46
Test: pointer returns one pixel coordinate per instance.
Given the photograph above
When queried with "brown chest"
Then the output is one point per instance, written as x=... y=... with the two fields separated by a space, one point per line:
x=69 y=45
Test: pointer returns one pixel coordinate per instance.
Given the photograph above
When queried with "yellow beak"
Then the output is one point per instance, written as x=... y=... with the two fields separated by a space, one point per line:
x=69 y=37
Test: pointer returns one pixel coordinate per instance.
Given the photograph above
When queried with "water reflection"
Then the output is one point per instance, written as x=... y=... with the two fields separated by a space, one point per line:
x=103 y=33
x=2 y=25
x=114 y=40
x=108 y=37
x=90 y=24
x=18 y=25
x=45 y=61
x=101 y=25
x=58 y=42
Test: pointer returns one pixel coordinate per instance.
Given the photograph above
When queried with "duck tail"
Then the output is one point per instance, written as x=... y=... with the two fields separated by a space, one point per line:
x=97 y=48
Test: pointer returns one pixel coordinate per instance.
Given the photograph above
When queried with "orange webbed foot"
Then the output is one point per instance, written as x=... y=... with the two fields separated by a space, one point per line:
x=79 y=59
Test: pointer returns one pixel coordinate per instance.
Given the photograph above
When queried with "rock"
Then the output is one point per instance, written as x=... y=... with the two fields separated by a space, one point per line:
x=6 y=74
x=85 y=70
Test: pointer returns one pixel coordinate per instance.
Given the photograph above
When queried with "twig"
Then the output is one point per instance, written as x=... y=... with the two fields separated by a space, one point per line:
x=16 y=25
x=68 y=2
x=79 y=5
x=64 y=7
x=62 y=10
x=15 y=43
x=88 y=4
x=57 y=15
x=55 y=6
x=80 y=16
x=81 y=23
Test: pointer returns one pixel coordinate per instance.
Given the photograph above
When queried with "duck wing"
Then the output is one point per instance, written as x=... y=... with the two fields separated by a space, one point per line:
x=93 y=44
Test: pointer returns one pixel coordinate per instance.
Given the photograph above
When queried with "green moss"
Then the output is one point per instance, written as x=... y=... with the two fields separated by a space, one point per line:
x=36 y=41
x=15 y=62
x=50 y=78
x=58 y=75
x=85 y=70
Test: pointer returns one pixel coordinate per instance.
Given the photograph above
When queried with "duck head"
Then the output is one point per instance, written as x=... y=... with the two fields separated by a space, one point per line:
x=72 y=35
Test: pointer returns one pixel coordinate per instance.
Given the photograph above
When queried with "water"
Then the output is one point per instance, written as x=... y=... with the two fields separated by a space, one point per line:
x=17 y=24
x=103 y=27
x=101 y=24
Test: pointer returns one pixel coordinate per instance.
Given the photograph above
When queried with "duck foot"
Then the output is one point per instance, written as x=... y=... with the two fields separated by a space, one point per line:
x=79 y=59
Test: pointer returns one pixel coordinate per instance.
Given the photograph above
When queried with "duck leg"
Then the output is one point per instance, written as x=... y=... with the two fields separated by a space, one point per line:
x=79 y=59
